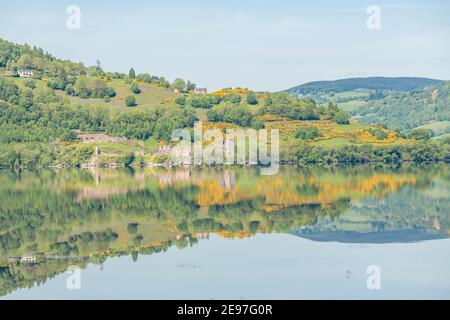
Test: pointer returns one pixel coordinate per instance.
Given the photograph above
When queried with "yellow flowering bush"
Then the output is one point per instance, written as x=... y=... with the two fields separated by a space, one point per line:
x=227 y=91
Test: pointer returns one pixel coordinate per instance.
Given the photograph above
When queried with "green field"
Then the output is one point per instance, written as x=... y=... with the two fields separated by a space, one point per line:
x=347 y=100
x=150 y=96
x=439 y=128
x=351 y=105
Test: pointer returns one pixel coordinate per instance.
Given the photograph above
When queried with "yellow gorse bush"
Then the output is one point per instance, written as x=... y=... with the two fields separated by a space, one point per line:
x=224 y=92
x=330 y=130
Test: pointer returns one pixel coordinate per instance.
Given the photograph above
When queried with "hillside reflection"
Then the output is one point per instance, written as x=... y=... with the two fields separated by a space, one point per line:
x=52 y=219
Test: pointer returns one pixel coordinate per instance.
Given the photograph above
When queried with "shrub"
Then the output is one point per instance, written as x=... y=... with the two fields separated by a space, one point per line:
x=30 y=83
x=341 y=117
x=181 y=100
x=132 y=228
x=70 y=90
x=308 y=133
x=130 y=101
x=378 y=133
x=135 y=88
x=233 y=98
x=251 y=99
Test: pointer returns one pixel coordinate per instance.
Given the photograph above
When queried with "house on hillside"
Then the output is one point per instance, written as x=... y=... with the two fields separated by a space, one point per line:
x=201 y=91
x=25 y=73
x=27 y=259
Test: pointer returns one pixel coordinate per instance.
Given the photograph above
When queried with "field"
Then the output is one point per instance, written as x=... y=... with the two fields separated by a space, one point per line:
x=438 y=127
x=351 y=105
x=442 y=137
x=151 y=95
x=346 y=100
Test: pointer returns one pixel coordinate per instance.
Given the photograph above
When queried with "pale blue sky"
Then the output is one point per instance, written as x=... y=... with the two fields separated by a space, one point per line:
x=264 y=45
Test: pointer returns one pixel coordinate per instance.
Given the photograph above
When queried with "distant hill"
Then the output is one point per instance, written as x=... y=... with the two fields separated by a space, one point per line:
x=371 y=83
x=398 y=236
x=429 y=108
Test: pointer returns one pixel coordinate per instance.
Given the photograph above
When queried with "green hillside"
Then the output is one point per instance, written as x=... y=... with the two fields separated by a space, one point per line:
x=428 y=109
x=45 y=119
x=370 y=83
x=351 y=94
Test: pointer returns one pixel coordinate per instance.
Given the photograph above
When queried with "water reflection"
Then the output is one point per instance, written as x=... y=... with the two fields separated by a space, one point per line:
x=52 y=219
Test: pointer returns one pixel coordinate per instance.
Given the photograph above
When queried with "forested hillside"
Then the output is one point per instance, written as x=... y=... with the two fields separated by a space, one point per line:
x=370 y=83
x=409 y=110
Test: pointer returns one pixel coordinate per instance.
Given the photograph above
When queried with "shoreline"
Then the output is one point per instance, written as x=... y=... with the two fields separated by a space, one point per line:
x=234 y=166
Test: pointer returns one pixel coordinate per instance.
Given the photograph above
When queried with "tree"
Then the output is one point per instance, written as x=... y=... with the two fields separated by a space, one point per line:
x=251 y=99
x=308 y=133
x=26 y=99
x=420 y=134
x=190 y=86
x=181 y=100
x=236 y=114
x=130 y=101
x=132 y=74
x=29 y=83
x=132 y=228
x=164 y=83
x=179 y=84
x=378 y=133
x=135 y=88
x=135 y=255
x=129 y=159
x=332 y=110
x=233 y=98
x=137 y=240
x=341 y=117
x=310 y=113
x=70 y=90
x=144 y=77
x=25 y=61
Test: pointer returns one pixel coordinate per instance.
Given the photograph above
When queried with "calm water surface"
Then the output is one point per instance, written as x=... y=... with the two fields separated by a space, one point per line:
x=225 y=233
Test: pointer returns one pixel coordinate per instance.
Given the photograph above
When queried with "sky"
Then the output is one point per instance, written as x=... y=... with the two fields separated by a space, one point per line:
x=263 y=45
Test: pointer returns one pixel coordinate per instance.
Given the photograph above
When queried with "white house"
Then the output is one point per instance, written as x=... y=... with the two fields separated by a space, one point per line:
x=200 y=91
x=28 y=259
x=25 y=73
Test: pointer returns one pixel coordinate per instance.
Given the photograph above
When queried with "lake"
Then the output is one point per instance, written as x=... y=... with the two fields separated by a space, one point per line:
x=228 y=233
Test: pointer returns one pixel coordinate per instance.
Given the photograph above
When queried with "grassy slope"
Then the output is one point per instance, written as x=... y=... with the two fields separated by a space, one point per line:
x=438 y=127
x=151 y=95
